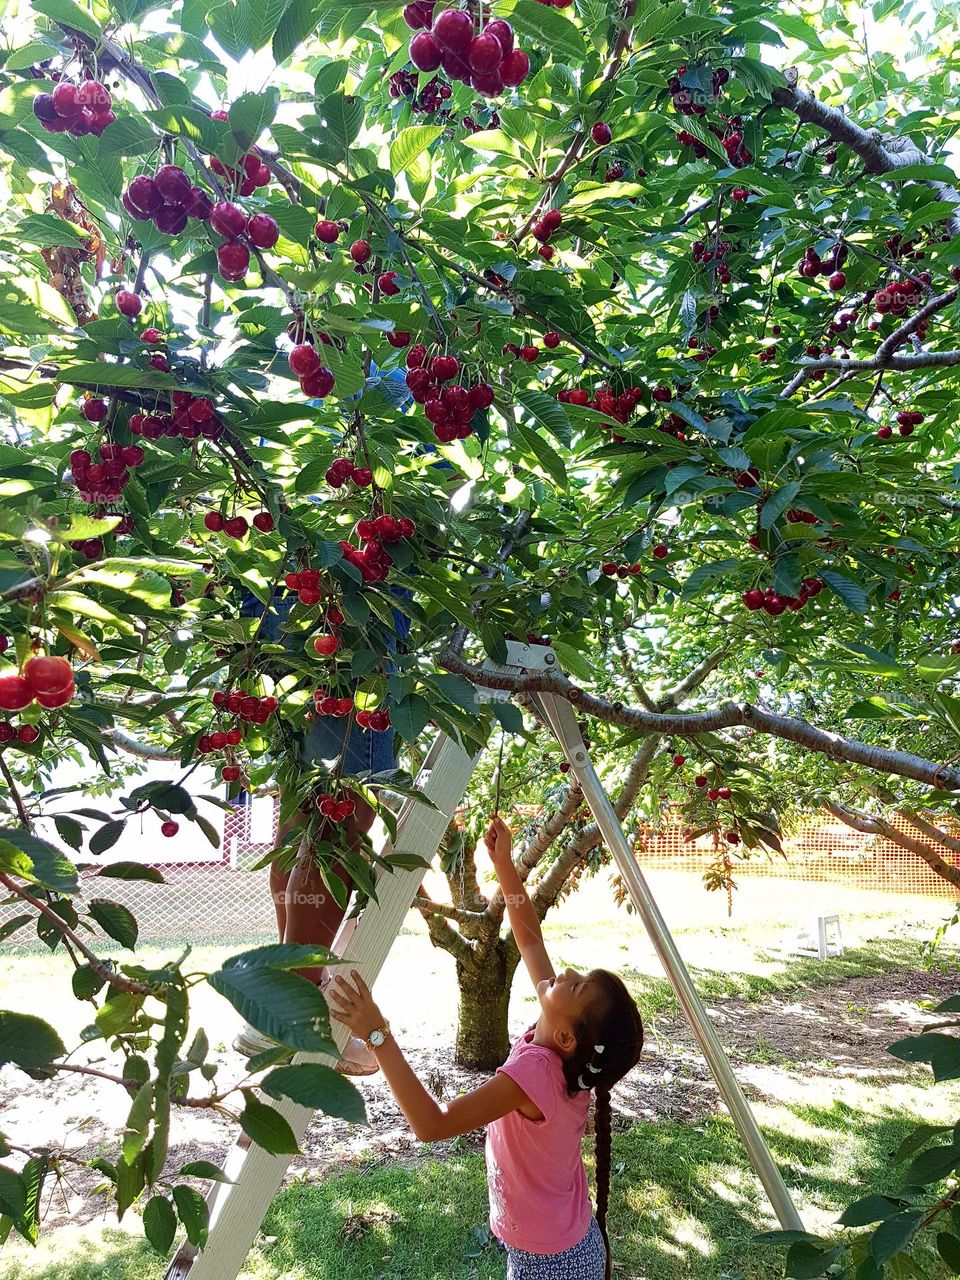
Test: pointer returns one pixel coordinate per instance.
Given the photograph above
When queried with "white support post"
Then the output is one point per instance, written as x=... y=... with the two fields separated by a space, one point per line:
x=237 y=1210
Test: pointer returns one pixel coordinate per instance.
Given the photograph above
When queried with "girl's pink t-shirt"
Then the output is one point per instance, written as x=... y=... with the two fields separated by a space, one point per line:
x=539 y=1196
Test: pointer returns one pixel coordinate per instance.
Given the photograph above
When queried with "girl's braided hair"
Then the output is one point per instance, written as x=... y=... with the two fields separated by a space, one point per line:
x=609 y=1043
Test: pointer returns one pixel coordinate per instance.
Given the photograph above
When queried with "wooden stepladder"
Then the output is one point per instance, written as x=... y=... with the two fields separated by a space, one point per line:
x=237 y=1207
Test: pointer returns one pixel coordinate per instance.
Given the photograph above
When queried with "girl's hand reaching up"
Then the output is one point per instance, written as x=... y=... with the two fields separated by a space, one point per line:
x=499 y=841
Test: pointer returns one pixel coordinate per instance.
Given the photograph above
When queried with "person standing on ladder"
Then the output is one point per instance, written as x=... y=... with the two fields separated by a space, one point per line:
x=588 y=1036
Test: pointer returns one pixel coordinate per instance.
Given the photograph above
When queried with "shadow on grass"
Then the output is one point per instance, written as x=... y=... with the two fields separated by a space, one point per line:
x=684 y=1204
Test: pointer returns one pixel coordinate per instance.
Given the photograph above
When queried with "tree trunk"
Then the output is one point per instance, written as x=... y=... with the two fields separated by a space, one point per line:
x=484 y=982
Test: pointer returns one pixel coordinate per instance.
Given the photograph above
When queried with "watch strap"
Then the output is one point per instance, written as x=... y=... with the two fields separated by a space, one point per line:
x=386 y=1031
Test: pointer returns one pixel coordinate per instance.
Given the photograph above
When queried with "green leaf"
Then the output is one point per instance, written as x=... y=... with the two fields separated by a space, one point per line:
x=131 y=871
x=250 y=114
x=933 y=1165
x=948 y=1246
x=892 y=1236
x=190 y=123
x=777 y=503
x=194 y=1214
x=13 y=1193
x=704 y=574
x=869 y=1209
x=160 y=1223
x=267 y=1127
x=551 y=30
x=107 y=836
x=410 y=143
x=282 y=1005
x=546 y=454
x=24 y=855
x=851 y=593
x=298 y=21
x=319 y=1087
x=343 y=117
x=547 y=413
x=204 y=1169
x=69 y=830
x=27 y=1041
x=230 y=23
x=116 y=920
x=806 y=1262
x=49 y=230
x=138 y=1122
x=264 y=16
x=493 y=140
x=70 y=14
x=410 y=717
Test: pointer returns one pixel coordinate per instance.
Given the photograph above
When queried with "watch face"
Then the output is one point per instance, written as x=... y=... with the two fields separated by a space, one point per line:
x=377 y=1037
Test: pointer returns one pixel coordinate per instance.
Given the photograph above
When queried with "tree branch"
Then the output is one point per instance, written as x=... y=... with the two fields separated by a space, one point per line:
x=460 y=914
x=688 y=724
x=871 y=825
x=692 y=681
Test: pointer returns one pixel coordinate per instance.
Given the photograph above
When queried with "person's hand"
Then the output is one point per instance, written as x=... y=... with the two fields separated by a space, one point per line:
x=499 y=841
x=354 y=1005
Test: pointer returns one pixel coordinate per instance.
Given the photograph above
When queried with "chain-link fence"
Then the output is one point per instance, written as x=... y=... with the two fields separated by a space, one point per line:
x=223 y=900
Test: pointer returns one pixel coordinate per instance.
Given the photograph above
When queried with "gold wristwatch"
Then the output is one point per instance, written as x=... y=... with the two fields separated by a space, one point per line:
x=376 y=1038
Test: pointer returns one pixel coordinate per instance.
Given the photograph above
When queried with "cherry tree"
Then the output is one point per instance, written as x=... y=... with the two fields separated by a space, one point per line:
x=621 y=326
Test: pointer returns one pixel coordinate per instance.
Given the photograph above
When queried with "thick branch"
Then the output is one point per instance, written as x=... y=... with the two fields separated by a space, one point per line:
x=871 y=825
x=903 y=763
x=930 y=831
x=534 y=849
x=460 y=914
x=692 y=681
x=880 y=154
x=443 y=935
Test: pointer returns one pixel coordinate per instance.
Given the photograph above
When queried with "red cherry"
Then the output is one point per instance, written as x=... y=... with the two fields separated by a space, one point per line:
x=15 y=693
x=263 y=231
x=360 y=252
x=303 y=359
x=609 y=568
x=425 y=52
x=94 y=410
x=128 y=303
x=387 y=284
x=28 y=733
x=317 y=384
x=172 y=183
x=837 y=281
x=724 y=793
x=884 y=433
x=327 y=231
x=601 y=134
x=679 y=760
x=228 y=219
x=699 y=780
x=661 y=551
x=453 y=31
x=169 y=828
x=47 y=675
x=753 y=598
x=485 y=54
x=515 y=68
x=551 y=340
x=214 y=521
x=264 y=522
x=326 y=646
x=236 y=527
x=233 y=259
x=66 y=101
x=151 y=335
x=503 y=32
x=230 y=772
x=713 y=794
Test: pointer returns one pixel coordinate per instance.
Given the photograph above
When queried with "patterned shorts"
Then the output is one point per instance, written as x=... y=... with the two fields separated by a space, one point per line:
x=585 y=1261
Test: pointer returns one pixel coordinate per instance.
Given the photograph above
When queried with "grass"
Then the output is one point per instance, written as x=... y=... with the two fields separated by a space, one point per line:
x=684 y=1201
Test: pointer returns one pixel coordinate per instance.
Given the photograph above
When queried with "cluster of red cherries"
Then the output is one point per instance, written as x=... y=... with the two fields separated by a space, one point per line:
x=316 y=380
x=773 y=603
x=486 y=60
x=253 y=173
x=24 y=733
x=682 y=97
x=105 y=480
x=604 y=400
x=46 y=681
x=237 y=526
x=450 y=409
x=374 y=560
x=907 y=419
x=240 y=230
x=900 y=296
x=77 y=109
x=192 y=417
x=702 y=252
x=813 y=265
x=429 y=99
x=545 y=229
x=334 y=809
x=306 y=583
x=167 y=199
x=732 y=143
x=342 y=471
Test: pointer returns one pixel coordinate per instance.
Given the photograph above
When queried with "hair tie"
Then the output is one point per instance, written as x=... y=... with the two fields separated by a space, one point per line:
x=598 y=1048
x=582 y=1083
x=596 y=1070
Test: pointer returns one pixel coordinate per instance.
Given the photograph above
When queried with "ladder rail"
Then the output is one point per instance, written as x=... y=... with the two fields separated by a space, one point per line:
x=560 y=715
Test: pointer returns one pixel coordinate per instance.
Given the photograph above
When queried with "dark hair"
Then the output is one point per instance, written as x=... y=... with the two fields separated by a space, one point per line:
x=612 y=1020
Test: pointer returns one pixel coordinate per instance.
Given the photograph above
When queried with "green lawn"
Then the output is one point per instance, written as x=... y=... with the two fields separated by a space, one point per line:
x=684 y=1202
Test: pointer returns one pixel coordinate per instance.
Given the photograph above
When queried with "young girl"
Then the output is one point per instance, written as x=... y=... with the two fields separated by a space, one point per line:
x=589 y=1034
